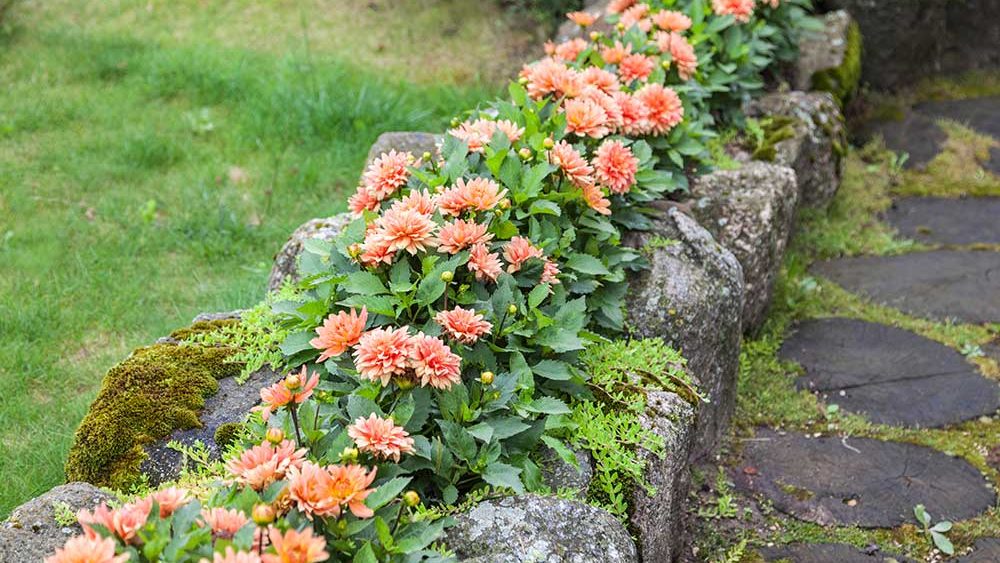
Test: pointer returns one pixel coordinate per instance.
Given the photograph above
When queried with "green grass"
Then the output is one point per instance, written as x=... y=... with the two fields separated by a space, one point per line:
x=154 y=160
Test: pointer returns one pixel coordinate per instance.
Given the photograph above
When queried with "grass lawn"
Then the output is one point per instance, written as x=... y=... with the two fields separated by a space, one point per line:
x=154 y=155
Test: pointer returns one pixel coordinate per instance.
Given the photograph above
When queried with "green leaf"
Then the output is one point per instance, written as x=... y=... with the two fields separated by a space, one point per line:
x=385 y=492
x=942 y=526
x=458 y=439
x=297 y=342
x=503 y=475
x=538 y=294
x=544 y=207
x=943 y=543
x=365 y=283
x=553 y=369
x=562 y=450
x=366 y=554
x=559 y=339
x=507 y=426
x=547 y=405
x=531 y=183
x=587 y=264
x=376 y=304
x=426 y=534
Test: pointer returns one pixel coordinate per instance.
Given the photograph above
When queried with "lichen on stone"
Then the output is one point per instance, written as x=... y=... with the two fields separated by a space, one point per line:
x=156 y=390
x=843 y=81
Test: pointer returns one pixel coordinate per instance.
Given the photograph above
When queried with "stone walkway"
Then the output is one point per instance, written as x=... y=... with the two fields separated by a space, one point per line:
x=893 y=376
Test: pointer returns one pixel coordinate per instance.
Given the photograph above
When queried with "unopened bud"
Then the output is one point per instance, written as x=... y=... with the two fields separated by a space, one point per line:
x=275 y=435
x=486 y=378
x=447 y=276
x=405 y=383
x=293 y=381
x=355 y=250
x=524 y=153
x=349 y=454
x=504 y=203
x=454 y=122
x=665 y=64
x=263 y=514
x=595 y=35
x=426 y=155
x=512 y=309
x=522 y=80
x=548 y=143
x=411 y=498
x=620 y=26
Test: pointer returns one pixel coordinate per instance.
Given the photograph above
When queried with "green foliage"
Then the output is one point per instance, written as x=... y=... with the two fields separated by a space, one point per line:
x=549 y=11
x=765 y=133
x=936 y=532
x=843 y=81
x=155 y=391
x=255 y=338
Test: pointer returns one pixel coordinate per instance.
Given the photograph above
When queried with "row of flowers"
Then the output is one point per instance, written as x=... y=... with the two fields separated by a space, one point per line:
x=437 y=338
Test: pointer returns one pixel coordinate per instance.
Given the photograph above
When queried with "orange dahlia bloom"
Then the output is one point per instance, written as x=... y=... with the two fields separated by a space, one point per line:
x=280 y=395
x=615 y=166
x=463 y=325
x=664 y=106
x=387 y=173
x=636 y=15
x=323 y=491
x=476 y=134
x=87 y=549
x=481 y=194
x=635 y=114
x=362 y=200
x=511 y=129
x=582 y=19
x=619 y=6
x=615 y=54
x=170 y=499
x=594 y=197
x=124 y=522
x=223 y=522
x=550 y=271
x=635 y=67
x=606 y=102
x=458 y=235
x=376 y=250
x=434 y=363
x=549 y=76
x=680 y=51
x=296 y=547
x=419 y=201
x=484 y=263
x=406 y=229
x=518 y=251
x=586 y=118
x=339 y=332
x=266 y=463
x=569 y=50
x=572 y=164
x=382 y=353
x=739 y=9
x=670 y=20
x=602 y=79
x=380 y=437
x=231 y=556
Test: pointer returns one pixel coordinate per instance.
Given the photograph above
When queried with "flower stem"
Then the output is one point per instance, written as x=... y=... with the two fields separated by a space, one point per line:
x=293 y=409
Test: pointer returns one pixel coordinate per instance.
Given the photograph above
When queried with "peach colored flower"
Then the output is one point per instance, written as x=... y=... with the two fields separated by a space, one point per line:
x=406 y=229
x=510 y=129
x=616 y=53
x=476 y=134
x=434 y=363
x=635 y=114
x=569 y=50
x=362 y=200
x=339 y=332
x=619 y=6
x=224 y=522
x=484 y=263
x=87 y=549
x=451 y=201
x=387 y=173
x=615 y=166
x=664 y=105
x=458 y=235
x=295 y=547
x=594 y=197
x=416 y=200
x=278 y=395
x=463 y=325
x=549 y=76
x=586 y=118
x=572 y=164
x=231 y=556
x=635 y=67
x=376 y=250
x=382 y=353
x=380 y=437
x=680 y=51
x=518 y=251
x=481 y=194
x=124 y=522
x=599 y=78
x=670 y=20
x=582 y=19
x=739 y=9
x=266 y=463
x=323 y=491
x=170 y=499
x=636 y=15
x=550 y=271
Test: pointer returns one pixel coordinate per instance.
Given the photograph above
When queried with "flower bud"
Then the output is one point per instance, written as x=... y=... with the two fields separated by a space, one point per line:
x=425 y=156
x=355 y=250
x=293 y=381
x=548 y=143
x=486 y=378
x=411 y=498
x=349 y=454
x=505 y=203
x=522 y=80
x=263 y=514
x=454 y=122
x=512 y=309
x=595 y=35
x=405 y=383
x=665 y=64
x=620 y=26
x=275 y=435
x=447 y=276
x=524 y=153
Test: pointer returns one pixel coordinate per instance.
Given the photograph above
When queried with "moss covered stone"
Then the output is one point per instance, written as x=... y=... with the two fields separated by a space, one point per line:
x=842 y=81
x=228 y=434
x=202 y=327
x=155 y=391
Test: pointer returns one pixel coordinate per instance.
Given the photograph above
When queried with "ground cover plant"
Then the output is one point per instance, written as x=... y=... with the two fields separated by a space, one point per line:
x=436 y=344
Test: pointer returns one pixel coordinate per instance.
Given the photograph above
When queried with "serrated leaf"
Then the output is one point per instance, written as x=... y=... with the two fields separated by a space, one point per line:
x=385 y=492
x=553 y=369
x=503 y=475
x=365 y=283
x=547 y=405
x=587 y=264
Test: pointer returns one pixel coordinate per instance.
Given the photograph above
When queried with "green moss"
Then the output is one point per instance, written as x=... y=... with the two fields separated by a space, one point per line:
x=776 y=129
x=156 y=390
x=843 y=81
x=959 y=169
x=203 y=328
x=227 y=434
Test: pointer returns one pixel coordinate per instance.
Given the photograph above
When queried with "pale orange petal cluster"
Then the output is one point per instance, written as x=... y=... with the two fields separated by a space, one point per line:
x=231 y=556
x=296 y=547
x=635 y=67
x=619 y=6
x=87 y=549
x=380 y=437
x=405 y=229
x=339 y=332
x=551 y=77
x=739 y=9
x=681 y=52
x=170 y=499
x=550 y=272
x=518 y=251
x=586 y=118
x=434 y=363
x=670 y=20
x=636 y=15
x=569 y=50
x=280 y=394
x=458 y=235
x=387 y=173
x=382 y=353
x=615 y=166
x=224 y=522
x=664 y=107
x=463 y=325
x=124 y=522
x=479 y=194
x=485 y=264
x=582 y=19
x=266 y=463
x=324 y=491
x=572 y=164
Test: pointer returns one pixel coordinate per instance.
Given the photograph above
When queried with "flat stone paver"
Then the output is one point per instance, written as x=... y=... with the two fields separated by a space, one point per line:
x=826 y=553
x=941 y=284
x=870 y=483
x=947 y=220
x=890 y=375
x=981 y=114
x=985 y=550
